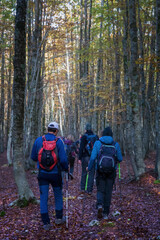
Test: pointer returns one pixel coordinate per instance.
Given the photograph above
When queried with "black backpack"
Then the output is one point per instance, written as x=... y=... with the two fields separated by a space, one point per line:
x=90 y=143
x=70 y=151
x=106 y=161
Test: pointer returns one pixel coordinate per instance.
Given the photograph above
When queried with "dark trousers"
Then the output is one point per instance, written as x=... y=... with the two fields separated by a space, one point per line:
x=104 y=190
x=90 y=184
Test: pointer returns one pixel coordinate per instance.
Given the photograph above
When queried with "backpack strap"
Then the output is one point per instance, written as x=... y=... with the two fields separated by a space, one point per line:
x=43 y=138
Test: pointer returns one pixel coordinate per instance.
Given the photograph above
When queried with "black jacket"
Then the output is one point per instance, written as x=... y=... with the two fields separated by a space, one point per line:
x=83 y=142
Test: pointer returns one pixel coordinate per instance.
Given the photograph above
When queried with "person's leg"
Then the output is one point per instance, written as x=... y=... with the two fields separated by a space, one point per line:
x=91 y=179
x=100 y=190
x=44 y=203
x=72 y=166
x=58 y=202
x=71 y=169
x=100 y=197
x=108 y=195
x=84 y=172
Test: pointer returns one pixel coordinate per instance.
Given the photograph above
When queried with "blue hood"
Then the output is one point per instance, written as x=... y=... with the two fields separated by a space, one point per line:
x=106 y=139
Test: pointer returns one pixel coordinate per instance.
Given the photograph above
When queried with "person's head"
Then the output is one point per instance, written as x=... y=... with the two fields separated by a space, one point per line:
x=88 y=127
x=70 y=137
x=53 y=128
x=107 y=132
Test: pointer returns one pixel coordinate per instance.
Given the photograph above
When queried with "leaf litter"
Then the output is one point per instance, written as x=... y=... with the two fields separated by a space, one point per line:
x=133 y=216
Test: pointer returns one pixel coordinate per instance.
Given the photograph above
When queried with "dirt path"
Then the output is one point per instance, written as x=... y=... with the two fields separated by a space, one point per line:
x=139 y=210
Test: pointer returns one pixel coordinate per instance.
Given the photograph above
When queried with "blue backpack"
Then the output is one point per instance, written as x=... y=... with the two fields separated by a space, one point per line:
x=90 y=143
x=106 y=161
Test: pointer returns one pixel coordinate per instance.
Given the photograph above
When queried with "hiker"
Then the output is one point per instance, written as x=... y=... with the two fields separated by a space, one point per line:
x=71 y=152
x=50 y=174
x=84 y=156
x=105 y=148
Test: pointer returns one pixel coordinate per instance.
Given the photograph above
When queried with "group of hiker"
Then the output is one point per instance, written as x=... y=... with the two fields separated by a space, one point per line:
x=55 y=155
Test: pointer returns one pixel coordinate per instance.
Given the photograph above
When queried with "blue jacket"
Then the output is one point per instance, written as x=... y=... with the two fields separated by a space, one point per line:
x=62 y=158
x=96 y=149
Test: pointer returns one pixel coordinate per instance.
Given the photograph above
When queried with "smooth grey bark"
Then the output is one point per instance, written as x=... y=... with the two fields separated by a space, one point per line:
x=150 y=95
x=9 y=143
x=24 y=190
x=9 y=92
x=81 y=69
x=69 y=83
x=135 y=83
x=116 y=81
x=157 y=166
x=145 y=138
x=34 y=93
x=99 y=75
x=150 y=101
x=85 y=25
x=2 y=96
x=127 y=114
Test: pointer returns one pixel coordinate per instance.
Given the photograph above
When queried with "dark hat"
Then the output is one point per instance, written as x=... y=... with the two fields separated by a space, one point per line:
x=88 y=126
x=107 y=132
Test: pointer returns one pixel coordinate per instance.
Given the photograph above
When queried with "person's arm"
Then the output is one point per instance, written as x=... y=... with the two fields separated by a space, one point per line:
x=93 y=156
x=119 y=154
x=34 y=153
x=62 y=155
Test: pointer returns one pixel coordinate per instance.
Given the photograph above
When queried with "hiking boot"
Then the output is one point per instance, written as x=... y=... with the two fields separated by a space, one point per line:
x=89 y=193
x=71 y=176
x=82 y=192
x=105 y=216
x=100 y=211
x=46 y=226
x=59 y=221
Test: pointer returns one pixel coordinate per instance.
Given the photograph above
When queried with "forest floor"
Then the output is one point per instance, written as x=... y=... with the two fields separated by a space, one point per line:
x=138 y=208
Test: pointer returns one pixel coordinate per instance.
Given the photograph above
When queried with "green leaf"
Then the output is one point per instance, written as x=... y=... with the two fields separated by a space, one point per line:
x=2 y=213
x=110 y=224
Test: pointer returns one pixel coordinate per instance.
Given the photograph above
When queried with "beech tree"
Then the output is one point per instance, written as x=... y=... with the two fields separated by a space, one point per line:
x=158 y=88
x=24 y=190
x=136 y=129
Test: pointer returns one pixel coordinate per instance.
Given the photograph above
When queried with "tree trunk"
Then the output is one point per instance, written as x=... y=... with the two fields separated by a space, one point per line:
x=10 y=143
x=9 y=93
x=135 y=83
x=150 y=111
x=157 y=167
x=18 y=101
x=143 y=85
x=2 y=97
x=127 y=116
x=34 y=95
x=116 y=81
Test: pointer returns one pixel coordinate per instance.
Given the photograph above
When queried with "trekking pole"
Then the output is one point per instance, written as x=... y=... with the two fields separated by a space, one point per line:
x=77 y=167
x=84 y=198
x=67 y=200
x=86 y=182
x=119 y=171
